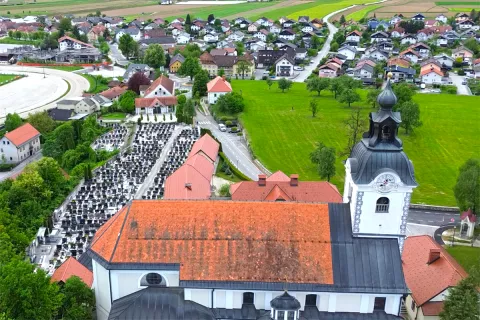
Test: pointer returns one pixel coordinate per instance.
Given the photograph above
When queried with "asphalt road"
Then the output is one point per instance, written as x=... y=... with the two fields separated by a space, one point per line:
x=19 y=168
x=432 y=218
x=24 y=96
x=461 y=88
x=235 y=150
x=116 y=55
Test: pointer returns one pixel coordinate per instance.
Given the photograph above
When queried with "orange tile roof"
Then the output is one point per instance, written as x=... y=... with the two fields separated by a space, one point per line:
x=428 y=280
x=207 y=145
x=278 y=176
x=223 y=240
x=71 y=267
x=114 y=92
x=189 y=183
x=164 y=82
x=398 y=62
x=426 y=69
x=22 y=134
x=219 y=85
x=432 y=308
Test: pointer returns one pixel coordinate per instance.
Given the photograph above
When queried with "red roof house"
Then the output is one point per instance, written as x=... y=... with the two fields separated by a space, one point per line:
x=429 y=272
x=280 y=187
x=114 y=93
x=206 y=145
x=162 y=86
x=71 y=267
x=22 y=134
x=219 y=84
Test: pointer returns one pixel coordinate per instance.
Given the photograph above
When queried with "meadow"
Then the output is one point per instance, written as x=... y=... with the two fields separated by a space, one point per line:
x=467 y=257
x=283 y=133
x=362 y=12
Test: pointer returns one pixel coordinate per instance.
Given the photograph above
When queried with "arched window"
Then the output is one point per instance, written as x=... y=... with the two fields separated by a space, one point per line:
x=385 y=132
x=382 y=205
x=248 y=297
x=153 y=280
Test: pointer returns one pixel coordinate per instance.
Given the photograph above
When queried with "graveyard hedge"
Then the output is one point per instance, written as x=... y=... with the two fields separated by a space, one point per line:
x=233 y=168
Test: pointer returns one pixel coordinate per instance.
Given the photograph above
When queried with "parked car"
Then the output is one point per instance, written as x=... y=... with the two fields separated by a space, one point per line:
x=464 y=82
x=298 y=68
x=222 y=127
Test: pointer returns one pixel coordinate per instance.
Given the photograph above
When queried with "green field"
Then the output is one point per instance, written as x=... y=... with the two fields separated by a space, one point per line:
x=95 y=86
x=362 y=13
x=6 y=77
x=467 y=257
x=8 y=40
x=455 y=3
x=283 y=139
x=66 y=68
x=322 y=8
x=463 y=9
x=114 y=116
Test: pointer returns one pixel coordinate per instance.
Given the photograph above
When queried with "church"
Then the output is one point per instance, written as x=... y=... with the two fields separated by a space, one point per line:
x=266 y=260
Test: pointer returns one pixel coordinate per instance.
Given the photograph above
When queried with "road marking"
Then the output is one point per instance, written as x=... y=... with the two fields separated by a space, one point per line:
x=423 y=225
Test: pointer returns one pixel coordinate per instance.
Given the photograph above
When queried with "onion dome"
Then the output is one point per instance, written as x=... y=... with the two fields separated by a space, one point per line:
x=387 y=98
x=285 y=302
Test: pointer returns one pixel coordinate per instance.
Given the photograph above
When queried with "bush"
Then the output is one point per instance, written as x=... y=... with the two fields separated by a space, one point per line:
x=228 y=123
x=264 y=78
x=461 y=72
x=234 y=129
x=240 y=133
x=6 y=167
x=224 y=190
x=449 y=89
x=233 y=169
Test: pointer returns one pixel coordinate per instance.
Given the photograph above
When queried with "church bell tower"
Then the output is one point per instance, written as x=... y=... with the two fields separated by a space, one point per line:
x=379 y=177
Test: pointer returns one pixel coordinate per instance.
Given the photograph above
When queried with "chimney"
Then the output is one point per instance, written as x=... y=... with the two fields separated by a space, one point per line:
x=262 y=180
x=433 y=256
x=188 y=186
x=294 y=180
x=224 y=78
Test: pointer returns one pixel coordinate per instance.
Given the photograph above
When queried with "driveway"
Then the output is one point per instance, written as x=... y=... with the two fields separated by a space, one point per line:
x=462 y=89
x=116 y=55
x=233 y=147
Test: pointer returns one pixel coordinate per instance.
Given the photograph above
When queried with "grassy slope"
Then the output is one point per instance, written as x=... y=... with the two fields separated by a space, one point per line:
x=283 y=139
x=466 y=256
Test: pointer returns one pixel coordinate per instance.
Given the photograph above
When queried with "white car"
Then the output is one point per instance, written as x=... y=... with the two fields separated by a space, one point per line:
x=297 y=68
x=222 y=127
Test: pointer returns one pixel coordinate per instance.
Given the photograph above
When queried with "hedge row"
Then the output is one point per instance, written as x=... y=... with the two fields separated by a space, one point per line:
x=233 y=168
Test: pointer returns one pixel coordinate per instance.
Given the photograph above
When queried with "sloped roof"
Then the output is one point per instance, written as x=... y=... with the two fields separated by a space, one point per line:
x=149 y=102
x=428 y=280
x=114 y=92
x=219 y=85
x=74 y=40
x=207 y=145
x=71 y=267
x=188 y=182
x=468 y=214
x=164 y=82
x=278 y=176
x=178 y=57
x=22 y=134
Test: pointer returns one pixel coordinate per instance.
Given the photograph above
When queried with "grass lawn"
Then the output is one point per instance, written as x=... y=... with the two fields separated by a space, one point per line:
x=8 y=40
x=466 y=256
x=449 y=3
x=66 y=68
x=114 y=116
x=6 y=77
x=283 y=139
x=463 y=9
x=95 y=87
x=362 y=13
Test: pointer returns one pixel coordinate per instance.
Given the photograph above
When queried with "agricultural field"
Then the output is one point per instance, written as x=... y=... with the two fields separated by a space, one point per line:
x=357 y=15
x=282 y=134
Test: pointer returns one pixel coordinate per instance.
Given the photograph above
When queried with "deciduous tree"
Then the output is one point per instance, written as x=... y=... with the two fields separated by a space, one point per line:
x=231 y=103
x=200 y=83
x=243 y=67
x=41 y=121
x=356 y=125
x=137 y=80
x=349 y=96
x=127 y=45
x=154 y=56
x=372 y=96
x=127 y=101
x=313 y=107
x=12 y=122
x=404 y=93
x=410 y=112
x=318 y=84
x=269 y=83
x=189 y=67
x=78 y=302
x=467 y=187
x=284 y=84
x=324 y=157
x=463 y=300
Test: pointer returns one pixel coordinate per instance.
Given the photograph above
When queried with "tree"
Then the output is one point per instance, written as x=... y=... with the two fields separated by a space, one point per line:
x=189 y=67
x=181 y=99
x=188 y=20
x=316 y=42
x=231 y=103
x=221 y=72
x=467 y=187
x=200 y=83
x=318 y=84
x=41 y=121
x=25 y=294
x=210 y=18
x=336 y=86
x=127 y=101
x=137 y=80
x=127 y=45
x=324 y=157
x=313 y=107
x=242 y=67
x=284 y=84
x=334 y=47
x=356 y=125
x=269 y=83
x=372 y=96
x=76 y=32
x=404 y=93
x=342 y=19
x=64 y=25
x=349 y=96
x=12 y=122
x=154 y=56
x=79 y=300
x=410 y=112
x=240 y=47
x=462 y=301
x=188 y=111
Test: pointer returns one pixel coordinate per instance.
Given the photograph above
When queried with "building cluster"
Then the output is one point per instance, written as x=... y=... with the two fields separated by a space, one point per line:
x=408 y=56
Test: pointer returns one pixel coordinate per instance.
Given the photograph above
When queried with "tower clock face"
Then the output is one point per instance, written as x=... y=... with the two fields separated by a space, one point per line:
x=385 y=183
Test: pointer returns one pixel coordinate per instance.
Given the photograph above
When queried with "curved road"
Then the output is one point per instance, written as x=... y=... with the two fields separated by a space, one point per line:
x=37 y=92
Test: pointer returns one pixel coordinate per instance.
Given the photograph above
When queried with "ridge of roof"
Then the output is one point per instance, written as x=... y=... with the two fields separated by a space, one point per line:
x=121 y=230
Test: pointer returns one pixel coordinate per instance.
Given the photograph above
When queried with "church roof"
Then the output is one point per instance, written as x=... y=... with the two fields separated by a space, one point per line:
x=250 y=245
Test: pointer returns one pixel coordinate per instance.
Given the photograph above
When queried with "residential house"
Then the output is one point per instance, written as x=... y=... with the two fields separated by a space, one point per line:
x=397 y=32
x=372 y=24
x=275 y=29
x=430 y=273
x=166 y=42
x=135 y=33
x=288 y=24
x=445 y=61
x=431 y=74
x=161 y=87
x=462 y=17
x=265 y=22
x=300 y=54
x=395 y=19
x=465 y=24
x=303 y=19
x=267 y=58
x=365 y=69
x=71 y=267
x=154 y=33
x=418 y=17
x=431 y=23
x=262 y=35
x=408 y=39
x=19 y=144
x=252 y=28
x=397 y=61
x=244 y=67
x=317 y=23
x=182 y=38
x=400 y=73
x=287 y=34
x=207 y=63
x=210 y=37
x=348 y=52
x=462 y=52
x=442 y=41
x=425 y=34
x=410 y=55
x=236 y=36
x=134 y=68
x=329 y=70
x=422 y=49
x=69 y=43
x=442 y=18
x=157 y=105
x=284 y=66
x=354 y=36
x=95 y=33
x=176 y=63
x=379 y=36
x=307 y=28
x=217 y=88
x=114 y=93
x=280 y=187
x=60 y=114
x=377 y=54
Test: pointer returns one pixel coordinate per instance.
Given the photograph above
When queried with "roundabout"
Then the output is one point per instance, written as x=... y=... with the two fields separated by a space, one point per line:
x=39 y=90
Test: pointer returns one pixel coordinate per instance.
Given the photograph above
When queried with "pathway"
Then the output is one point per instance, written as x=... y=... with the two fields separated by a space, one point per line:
x=19 y=168
x=156 y=167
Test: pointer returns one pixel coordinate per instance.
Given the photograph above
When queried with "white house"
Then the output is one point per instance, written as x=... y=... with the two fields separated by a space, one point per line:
x=442 y=41
x=68 y=43
x=287 y=35
x=275 y=29
x=161 y=87
x=354 y=36
x=348 y=52
x=307 y=28
x=379 y=36
x=135 y=33
x=418 y=17
x=329 y=70
x=253 y=27
x=465 y=25
x=19 y=144
x=395 y=19
x=442 y=18
x=182 y=38
x=409 y=39
x=377 y=54
x=431 y=75
x=236 y=36
x=260 y=35
x=410 y=55
x=397 y=32
x=444 y=60
x=284 y=66
x=210 y=37
x=217 y=88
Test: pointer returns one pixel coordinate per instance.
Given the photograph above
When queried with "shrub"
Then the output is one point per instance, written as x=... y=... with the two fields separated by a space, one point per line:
x=224 y=119
x=234 y=129
x=461 y=72
x=240 y=133
x=224 y=190
x=164 y=117
x=6 y=167
x=228 y=123
x=233 y=169
x=264 y=78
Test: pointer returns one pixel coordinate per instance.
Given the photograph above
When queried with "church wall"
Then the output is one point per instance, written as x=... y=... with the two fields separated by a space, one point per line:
x=102 y=290
x=348 y=303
